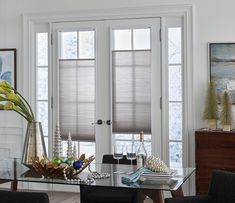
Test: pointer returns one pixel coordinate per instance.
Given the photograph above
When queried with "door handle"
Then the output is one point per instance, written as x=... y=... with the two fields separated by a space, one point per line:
x=98 y=122
x=108 y=122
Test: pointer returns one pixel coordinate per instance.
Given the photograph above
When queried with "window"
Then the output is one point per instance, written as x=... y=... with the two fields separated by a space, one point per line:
x=131 y=100
x=175 y=96
x=127 y=61
x=69 y=50
x=77 y=89
x=42 y=82
x=133 y=140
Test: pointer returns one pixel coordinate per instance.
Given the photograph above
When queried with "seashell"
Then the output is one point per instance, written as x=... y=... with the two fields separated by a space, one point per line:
x=155 y=164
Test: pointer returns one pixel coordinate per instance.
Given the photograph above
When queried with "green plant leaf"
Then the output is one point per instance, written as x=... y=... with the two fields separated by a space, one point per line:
x=15 y=101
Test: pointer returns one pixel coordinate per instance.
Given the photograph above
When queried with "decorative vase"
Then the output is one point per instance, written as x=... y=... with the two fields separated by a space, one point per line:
x=34 y=145
x=226 y=127
x=211 y=124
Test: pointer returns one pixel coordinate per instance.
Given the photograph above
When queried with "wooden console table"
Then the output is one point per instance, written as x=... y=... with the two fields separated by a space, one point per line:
x=214 y=150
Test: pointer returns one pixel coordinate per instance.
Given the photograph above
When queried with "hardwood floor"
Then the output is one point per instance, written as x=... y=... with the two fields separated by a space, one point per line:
x=64 y=197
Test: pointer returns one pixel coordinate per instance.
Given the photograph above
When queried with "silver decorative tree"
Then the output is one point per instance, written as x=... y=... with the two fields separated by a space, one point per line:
x=57 y=149
x=75 y=151
x=69 y=147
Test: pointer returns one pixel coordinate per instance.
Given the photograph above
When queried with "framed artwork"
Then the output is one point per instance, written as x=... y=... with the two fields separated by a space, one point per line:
x=222 y=68
x=8 y=66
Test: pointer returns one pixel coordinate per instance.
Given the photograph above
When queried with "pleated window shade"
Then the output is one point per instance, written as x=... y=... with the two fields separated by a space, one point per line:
x=77 y=99
x=131 y=100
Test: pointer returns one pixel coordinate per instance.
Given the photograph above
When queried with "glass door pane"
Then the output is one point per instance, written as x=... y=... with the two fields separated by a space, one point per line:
x=75 y=86
x=134 y=73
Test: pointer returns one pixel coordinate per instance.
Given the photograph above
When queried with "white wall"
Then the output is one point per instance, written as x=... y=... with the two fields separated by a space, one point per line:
x=213 y=22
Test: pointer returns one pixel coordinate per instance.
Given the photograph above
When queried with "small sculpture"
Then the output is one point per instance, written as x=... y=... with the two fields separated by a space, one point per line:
x=75 y=151
x=57 y=149
x=211 y=109
x=155 y=164
x=226 y=117
x=69 y=147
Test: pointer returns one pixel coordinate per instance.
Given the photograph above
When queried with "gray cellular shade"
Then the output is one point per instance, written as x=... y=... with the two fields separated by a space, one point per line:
x=131 y=99
x=77 y=99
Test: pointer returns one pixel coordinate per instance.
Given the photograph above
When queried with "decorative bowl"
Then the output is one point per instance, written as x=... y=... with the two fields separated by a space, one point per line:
x=50 y=169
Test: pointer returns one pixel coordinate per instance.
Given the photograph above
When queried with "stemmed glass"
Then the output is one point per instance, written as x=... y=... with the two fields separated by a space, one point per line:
x=118 y=154
x=131 y=153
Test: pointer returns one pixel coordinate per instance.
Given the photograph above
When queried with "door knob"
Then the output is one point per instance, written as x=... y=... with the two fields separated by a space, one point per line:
x=98 y=122
x=108 y=122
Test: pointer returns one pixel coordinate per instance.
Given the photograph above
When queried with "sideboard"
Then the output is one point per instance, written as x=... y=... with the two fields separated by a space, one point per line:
x=214 y=150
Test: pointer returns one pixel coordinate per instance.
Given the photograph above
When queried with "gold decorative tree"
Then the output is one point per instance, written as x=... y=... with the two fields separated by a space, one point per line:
x=226 y=117
x=211 y=107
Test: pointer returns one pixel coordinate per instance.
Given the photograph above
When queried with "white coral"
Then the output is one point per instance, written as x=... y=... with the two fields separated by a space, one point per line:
x=155 y=164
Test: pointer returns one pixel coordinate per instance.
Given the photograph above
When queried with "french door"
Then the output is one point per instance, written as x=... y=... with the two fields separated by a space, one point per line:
x=107 y=82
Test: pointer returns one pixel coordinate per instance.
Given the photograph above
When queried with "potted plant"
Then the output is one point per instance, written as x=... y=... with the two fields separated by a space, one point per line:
x=14 y=101
x=226 y=112
x=211 y=108
x=34 y=145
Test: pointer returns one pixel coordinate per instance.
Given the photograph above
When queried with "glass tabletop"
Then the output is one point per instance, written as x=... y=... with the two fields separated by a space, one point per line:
x=13 y=170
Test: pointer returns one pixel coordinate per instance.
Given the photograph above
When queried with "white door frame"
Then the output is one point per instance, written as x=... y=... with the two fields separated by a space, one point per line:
x=185 y=11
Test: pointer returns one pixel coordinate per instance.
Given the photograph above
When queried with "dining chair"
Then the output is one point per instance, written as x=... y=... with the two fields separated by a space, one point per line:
x=101 y=194
x=23 y=197
x=222 y=190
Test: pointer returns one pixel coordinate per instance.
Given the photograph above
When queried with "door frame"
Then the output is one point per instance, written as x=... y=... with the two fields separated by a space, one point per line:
x=185 y=11
x=103 y=77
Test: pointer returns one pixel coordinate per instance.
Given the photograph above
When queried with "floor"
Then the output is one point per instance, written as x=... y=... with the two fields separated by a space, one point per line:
x=59 y=197
x=69 y=197
x=64 y=197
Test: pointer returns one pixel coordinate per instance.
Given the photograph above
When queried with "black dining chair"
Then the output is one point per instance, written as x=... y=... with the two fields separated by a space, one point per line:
x=222 y=190
x=108 y=159
x=23 y=197
x=101 y=194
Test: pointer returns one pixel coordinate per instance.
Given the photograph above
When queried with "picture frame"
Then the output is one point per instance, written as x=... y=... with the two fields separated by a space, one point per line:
x=8 y=66
x=222 y=68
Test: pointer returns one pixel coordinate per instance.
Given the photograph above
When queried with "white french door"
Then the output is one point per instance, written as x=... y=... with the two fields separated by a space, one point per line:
x=84 y=80
x=136 y=82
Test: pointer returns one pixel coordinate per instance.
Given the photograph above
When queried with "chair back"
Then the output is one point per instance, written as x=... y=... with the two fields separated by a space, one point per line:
x=102 y=194
x=108 y=159
x=222 y=187
x=23 y=197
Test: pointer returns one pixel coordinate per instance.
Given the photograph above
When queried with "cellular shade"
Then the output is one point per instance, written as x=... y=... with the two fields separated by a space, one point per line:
x=77 y=99
x=131 y=98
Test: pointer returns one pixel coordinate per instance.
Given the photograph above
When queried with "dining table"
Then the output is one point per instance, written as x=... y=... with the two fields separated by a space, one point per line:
x=12 y=170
